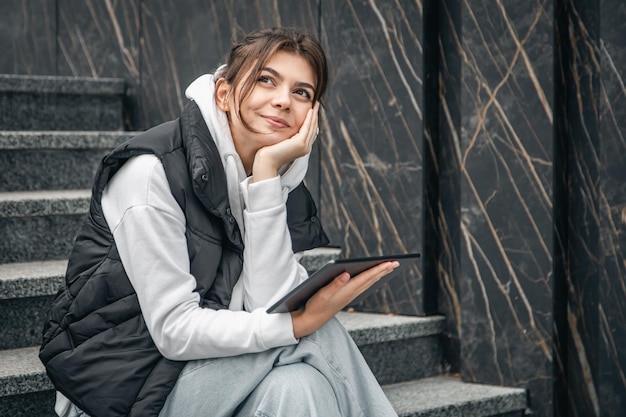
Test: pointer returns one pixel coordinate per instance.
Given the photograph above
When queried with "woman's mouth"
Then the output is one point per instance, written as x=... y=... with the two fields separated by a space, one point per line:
x=276 y=122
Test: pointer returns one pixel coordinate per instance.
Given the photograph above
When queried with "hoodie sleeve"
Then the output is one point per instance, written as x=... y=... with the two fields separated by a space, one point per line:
x=149 y=229
x=271 y=268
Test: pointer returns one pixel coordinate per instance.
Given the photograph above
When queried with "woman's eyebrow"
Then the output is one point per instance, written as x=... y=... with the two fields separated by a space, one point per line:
x=280 y=77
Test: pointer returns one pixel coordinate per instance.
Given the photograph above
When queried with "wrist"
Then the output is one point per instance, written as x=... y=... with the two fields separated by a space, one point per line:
x=263 y=167
x=300 y=324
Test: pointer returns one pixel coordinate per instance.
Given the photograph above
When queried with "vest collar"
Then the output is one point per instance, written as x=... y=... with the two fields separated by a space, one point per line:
x=206 y=170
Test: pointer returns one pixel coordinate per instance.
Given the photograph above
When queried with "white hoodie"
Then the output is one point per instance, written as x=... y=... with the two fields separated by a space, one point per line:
x=149 y=229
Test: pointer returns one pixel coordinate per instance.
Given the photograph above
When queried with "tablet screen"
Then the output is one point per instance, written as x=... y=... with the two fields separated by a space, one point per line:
x=298 y=297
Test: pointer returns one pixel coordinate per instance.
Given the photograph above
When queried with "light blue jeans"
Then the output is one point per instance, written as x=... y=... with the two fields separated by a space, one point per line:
x=324 y=375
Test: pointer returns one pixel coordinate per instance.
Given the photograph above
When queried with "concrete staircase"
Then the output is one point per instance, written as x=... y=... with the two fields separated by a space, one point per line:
x=53 y=132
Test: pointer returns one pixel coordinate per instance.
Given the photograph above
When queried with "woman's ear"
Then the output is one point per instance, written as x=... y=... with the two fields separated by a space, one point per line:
x=222 y=94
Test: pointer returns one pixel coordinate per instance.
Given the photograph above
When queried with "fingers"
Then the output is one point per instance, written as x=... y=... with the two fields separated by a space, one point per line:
x=315 y=121
x=314 y=127
x=339 y=281
x=350 y=288
x=366 y=279
x=308 y=130
x=310 y=125
x=329 y=300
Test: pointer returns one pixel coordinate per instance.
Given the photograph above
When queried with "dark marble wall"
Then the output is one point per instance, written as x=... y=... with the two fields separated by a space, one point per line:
x=611 y=375
x=590 y=317
x=527 y=172
x=506 y=170
x=101 y=39
x=28 y=37
x=371 y=142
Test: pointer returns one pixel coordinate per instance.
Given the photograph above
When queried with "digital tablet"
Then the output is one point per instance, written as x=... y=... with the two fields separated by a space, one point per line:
x=297 y=297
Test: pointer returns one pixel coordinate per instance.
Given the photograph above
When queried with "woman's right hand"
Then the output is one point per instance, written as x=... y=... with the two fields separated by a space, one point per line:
x=269 y=159
x=332 y=298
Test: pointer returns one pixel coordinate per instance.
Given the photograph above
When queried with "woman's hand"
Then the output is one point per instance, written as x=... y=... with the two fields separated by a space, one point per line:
x=269 y=159
x=332 y=298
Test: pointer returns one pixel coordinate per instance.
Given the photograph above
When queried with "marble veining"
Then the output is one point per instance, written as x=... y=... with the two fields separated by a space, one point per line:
x=500 y=304
x=371 y=147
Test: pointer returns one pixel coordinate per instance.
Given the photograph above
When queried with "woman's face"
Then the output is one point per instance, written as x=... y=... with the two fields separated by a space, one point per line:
x=276 y=106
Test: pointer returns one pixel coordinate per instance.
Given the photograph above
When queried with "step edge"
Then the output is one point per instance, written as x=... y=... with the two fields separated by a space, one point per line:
x=391 y=328
x=488 y=395
x=30 y=377
x=31 y=279
x=54 y=84
x=20 y=204
x=62 y=140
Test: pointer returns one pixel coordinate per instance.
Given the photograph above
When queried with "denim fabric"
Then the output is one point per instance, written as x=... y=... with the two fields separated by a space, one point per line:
x=324 y=375
x=293 y=390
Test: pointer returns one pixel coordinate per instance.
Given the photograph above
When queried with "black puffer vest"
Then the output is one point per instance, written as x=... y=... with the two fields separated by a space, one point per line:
x=96 y=347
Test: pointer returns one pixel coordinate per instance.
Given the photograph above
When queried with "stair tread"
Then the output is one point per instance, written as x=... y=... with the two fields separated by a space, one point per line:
x=369 y=328
x=435 y=395
x=21 y=372
x=18 y=362
x=43 y=203
x=54 y=139
x=31 y=279
x=45 y=84
x=43 y=195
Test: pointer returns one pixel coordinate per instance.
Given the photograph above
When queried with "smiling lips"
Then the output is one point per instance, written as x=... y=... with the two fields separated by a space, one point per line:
x=276 y=122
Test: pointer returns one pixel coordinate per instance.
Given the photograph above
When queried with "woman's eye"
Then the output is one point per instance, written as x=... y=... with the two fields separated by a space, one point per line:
x=264 y=79
x=303 y=93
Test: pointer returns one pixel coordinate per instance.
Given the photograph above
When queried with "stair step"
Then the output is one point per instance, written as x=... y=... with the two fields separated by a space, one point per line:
x=40 y=225
x=28 y=288
x=15 y=204
x=25 y=390
x=22 y=376
x=21 y=371
x=31 y=279
x=397 y=348
x=53 y=160
x=450 y=397
x=32 y=102
x=26 y=291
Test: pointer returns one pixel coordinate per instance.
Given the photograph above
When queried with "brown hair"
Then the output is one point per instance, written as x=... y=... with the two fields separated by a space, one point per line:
x=256 y=48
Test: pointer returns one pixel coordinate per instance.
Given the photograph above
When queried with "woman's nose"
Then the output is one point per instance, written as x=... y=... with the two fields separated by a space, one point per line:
x=282 y=99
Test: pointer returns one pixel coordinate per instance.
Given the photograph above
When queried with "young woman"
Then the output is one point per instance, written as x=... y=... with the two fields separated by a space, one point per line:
x=195 y=227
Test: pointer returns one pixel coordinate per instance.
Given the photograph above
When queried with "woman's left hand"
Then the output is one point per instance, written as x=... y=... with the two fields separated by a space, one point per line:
x=269 y=159
x=332 y=298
